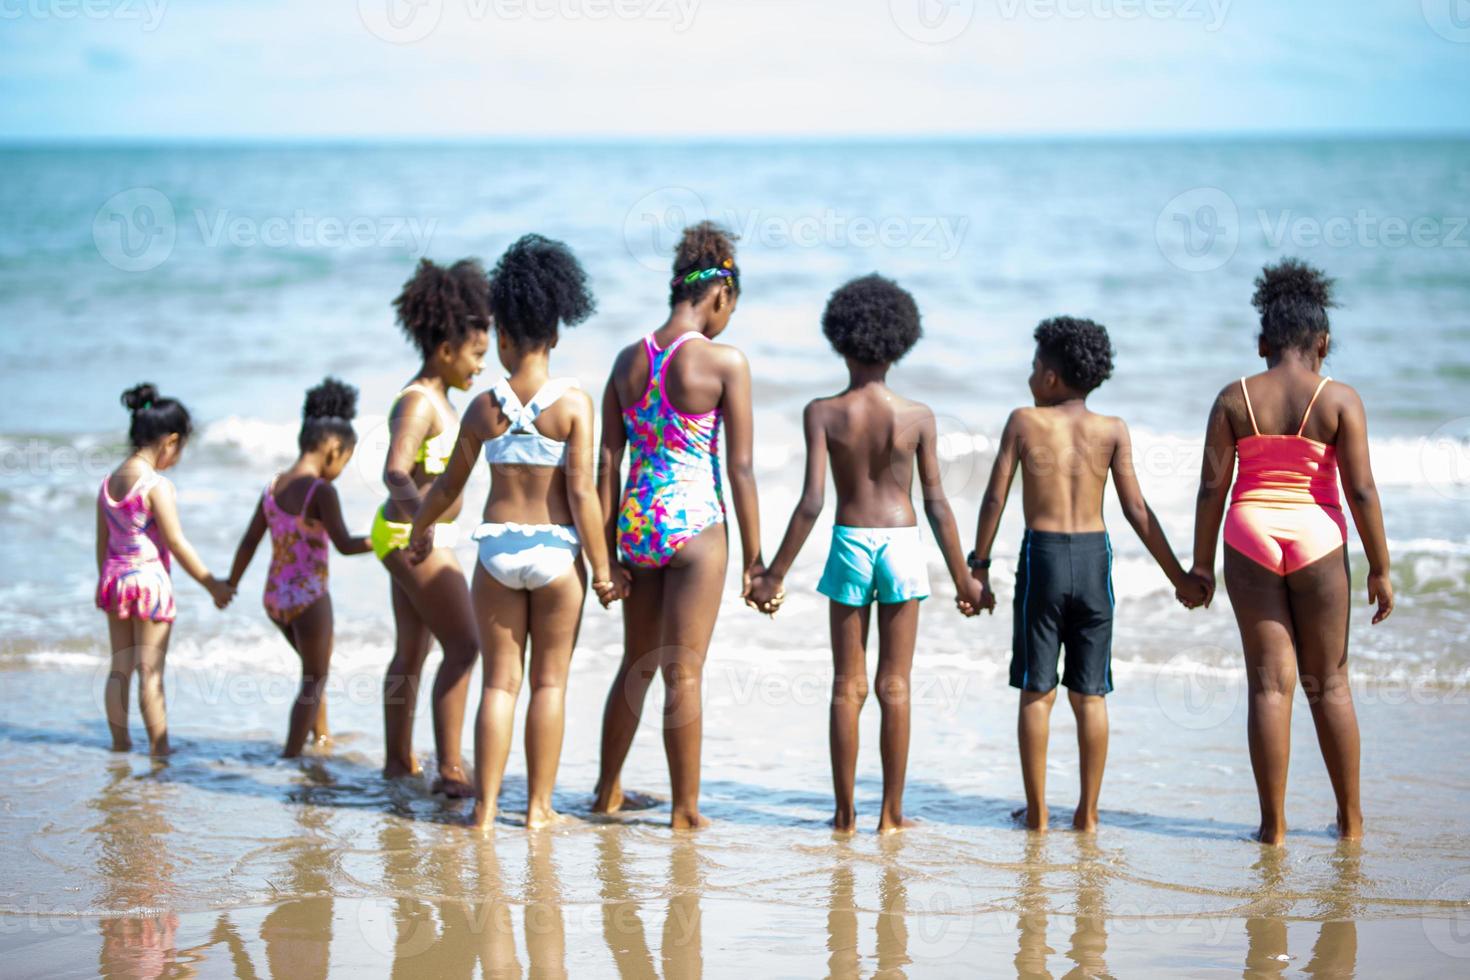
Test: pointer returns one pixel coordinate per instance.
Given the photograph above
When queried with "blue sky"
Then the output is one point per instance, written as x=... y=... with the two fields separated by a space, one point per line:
x=408 y=69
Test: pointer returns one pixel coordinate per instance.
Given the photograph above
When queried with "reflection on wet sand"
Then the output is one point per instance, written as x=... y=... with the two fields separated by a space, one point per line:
x=682 y=950
x=298 y=932
x=681 y=946
x=1088 y=944
x=133 y=858
x=1335 y=953
x=622 y=926
x=892 y=926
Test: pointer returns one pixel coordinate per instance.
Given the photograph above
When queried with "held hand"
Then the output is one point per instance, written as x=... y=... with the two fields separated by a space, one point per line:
x=1206 y=579
x=986 y=600
x=1191 y=592
x=221 y=592
x=419 y=546
x=607 y=589
x=765 y=594
x=967 y=597
x=1380 y=590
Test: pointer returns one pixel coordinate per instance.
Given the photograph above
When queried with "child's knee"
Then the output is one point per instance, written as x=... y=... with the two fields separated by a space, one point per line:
x=679 y=673
x=849 y=690
x=893 y=689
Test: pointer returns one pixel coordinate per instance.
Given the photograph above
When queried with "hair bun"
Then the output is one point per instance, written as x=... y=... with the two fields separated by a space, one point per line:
x=332 y=399
x=1292 y=281
x=139 y=397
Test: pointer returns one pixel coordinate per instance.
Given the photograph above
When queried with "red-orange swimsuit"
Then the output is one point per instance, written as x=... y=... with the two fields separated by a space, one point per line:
x=1285 y=512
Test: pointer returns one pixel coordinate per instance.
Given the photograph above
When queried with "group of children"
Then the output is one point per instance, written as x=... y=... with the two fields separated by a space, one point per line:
x=657 y=540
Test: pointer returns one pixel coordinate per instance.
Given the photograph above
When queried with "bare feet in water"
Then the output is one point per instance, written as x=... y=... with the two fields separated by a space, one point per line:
x=453 y=784
x=843 y=823
x=397 y=770
x=160 y=749
x=1023 y=818
x=688 y=821
x=616 y=800
x=541 y=817
x=1084 y=823
x=885 y=826
x=482 y=820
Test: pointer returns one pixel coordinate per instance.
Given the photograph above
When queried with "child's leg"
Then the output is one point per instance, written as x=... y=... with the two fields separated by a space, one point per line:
x=692 y=588
x=556 y=615
x=642 y=634
x=1091 y=711
x=119 y=679
x=898 y=625
x=1320 y=606
x=502 y=615
x=1263 y=613
x=310 y=634
x=401 y=686
x=1033 y=730
x=849 y=628
x=152 y=649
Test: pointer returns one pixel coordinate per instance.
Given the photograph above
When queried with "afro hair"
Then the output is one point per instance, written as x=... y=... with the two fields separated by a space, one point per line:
x=440 y=305
x=1293 y=299
x=329 y=410
x=1078 y=350
x=872 y=320
x=537 y=284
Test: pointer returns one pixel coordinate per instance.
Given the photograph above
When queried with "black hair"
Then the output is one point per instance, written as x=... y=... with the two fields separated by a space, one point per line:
x=537 y=284
x=329 y=410
x=872 y=320
x=1078 y=350
x=704 y=246
x=154 y=416
x=444 y=305
x=1292 y=298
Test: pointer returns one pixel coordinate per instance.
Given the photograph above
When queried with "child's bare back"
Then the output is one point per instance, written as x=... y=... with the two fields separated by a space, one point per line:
x=1065 y=452
x=873 y=436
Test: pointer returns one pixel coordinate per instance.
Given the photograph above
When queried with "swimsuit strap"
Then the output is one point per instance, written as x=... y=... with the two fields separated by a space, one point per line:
x=509 y=402
x=1308 y=413
x=1246 y=392
x=444 y=418
x=305 y=504
x=523 y=416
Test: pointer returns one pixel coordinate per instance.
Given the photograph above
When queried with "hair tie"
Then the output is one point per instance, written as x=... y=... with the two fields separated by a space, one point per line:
x=699 y=275
x=148 y=404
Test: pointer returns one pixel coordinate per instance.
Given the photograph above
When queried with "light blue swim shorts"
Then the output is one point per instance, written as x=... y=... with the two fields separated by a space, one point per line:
x=882 y=562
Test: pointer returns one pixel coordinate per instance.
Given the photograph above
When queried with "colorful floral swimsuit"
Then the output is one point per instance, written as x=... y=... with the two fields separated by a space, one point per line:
x=673 y=490
x=135 y=582
x=298 y=572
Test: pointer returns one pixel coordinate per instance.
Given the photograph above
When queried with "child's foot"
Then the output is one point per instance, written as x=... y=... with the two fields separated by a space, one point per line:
x=452 y=783
x=843 y=823
x=1271 y=837
x=482 y=819
x=886 y=826
x=122 y=745
x=689 y=821
x=1023 y=818
x=397 y=770
x=1084 y=823
x=1349 y=827
x=616 y=800
x=160 y=749
x=538 y=818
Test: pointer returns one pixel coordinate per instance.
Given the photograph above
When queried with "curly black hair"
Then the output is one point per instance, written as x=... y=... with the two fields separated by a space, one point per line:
x=704 y=246
x=537 y=284
x=328 y=412
x=1078 y=350
x=441 y=305
x=154 y=416
x=872 y=320
x=1292 y=298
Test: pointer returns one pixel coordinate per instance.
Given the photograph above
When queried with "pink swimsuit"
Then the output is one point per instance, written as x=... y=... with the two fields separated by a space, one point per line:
x=673 y=490
x=135 y=582
x=298 y=572
x=1285 y=512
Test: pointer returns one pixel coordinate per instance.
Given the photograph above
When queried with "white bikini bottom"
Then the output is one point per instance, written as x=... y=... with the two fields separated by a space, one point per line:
x=527 y=556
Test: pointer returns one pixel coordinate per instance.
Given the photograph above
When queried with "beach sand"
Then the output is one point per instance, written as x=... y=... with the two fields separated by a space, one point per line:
x=225 y=861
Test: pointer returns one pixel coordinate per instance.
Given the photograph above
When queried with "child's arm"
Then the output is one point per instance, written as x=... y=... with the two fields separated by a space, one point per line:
x=610 y=477
x=165 y=512
x=408 y=427
x=249 y=541
x=1141 y=516
x=1362 y=498
x=1217 y=468
x=447 y=486
x=765 y=588
x=582 y=499
x=993 y=504
x=941 y=517
x=329 y=511
x=740 y=430
x=102 y=534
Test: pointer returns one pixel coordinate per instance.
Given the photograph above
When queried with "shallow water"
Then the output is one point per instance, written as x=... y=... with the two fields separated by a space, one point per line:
x=230 y=862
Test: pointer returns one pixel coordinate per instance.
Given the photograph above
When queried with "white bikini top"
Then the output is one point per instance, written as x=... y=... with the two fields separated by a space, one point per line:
x=523 y=444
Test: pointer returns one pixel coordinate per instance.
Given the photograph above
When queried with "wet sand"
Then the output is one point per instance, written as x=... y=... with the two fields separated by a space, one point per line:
x=229 y=862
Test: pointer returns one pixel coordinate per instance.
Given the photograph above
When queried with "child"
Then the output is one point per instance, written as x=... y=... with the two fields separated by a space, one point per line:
x=874 y=437
x=1064 y=588
x=137 y=531
x=445 y=313
x=301 y=510
x=671 y=390
x=541 y=515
